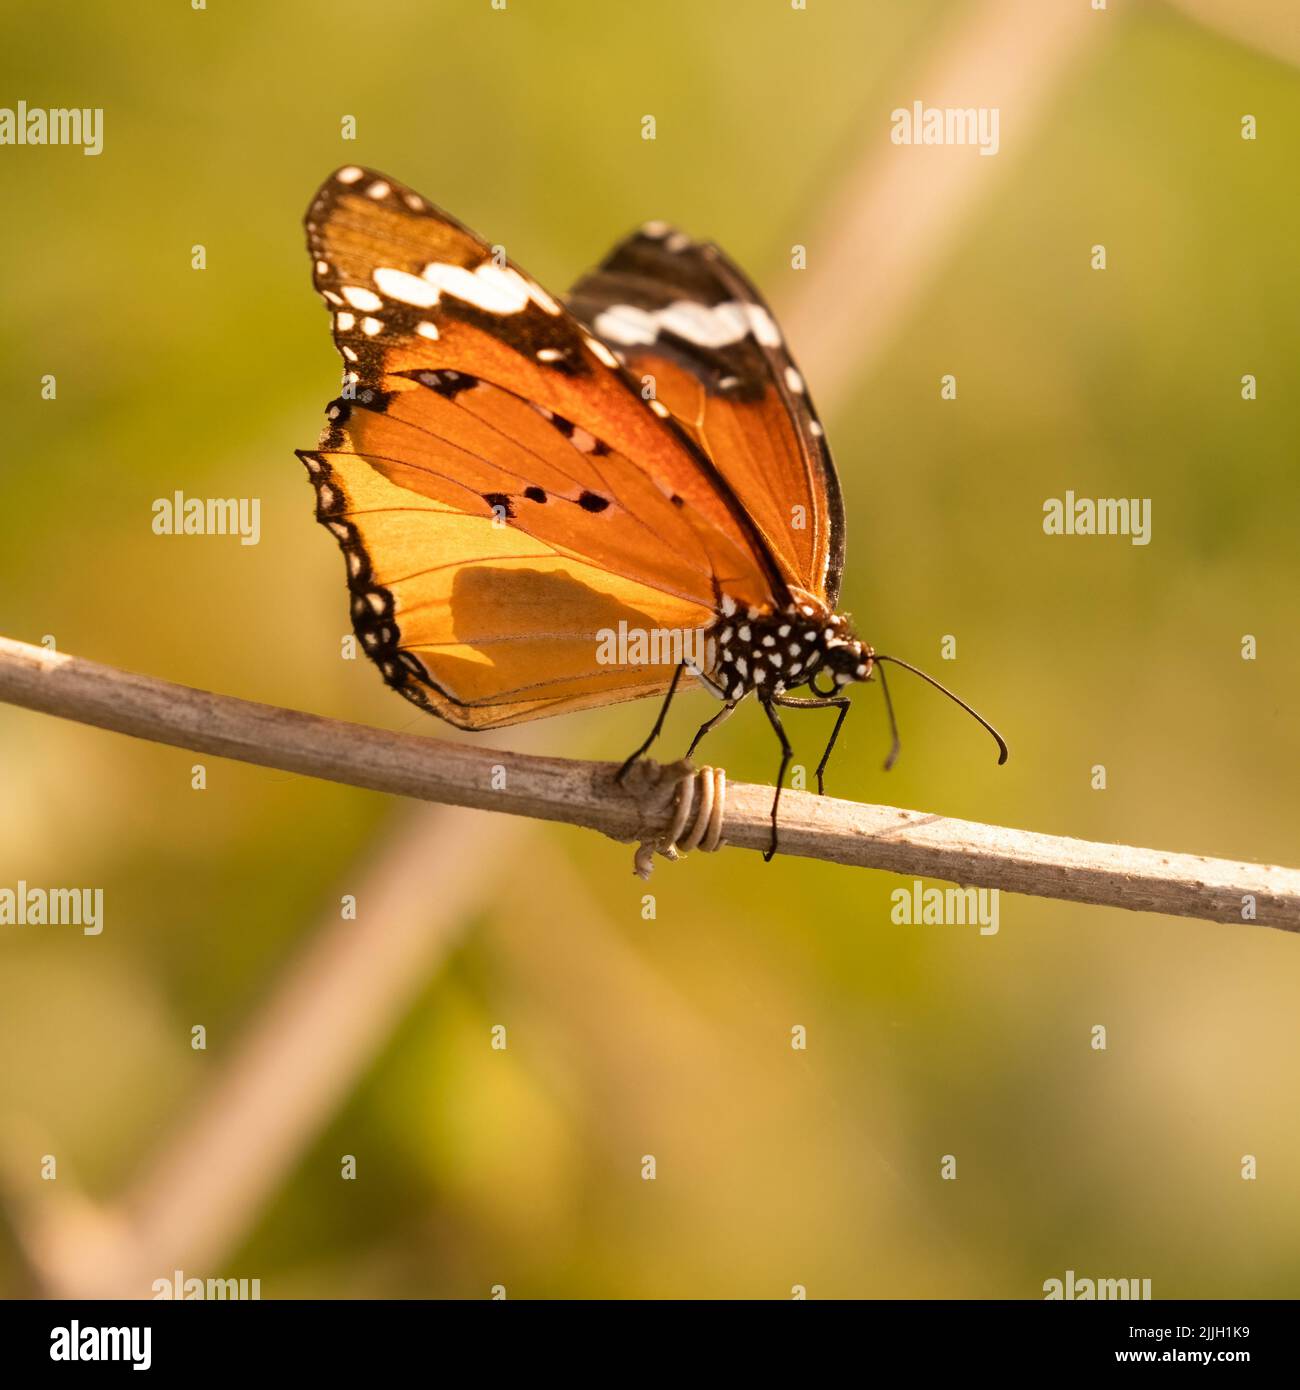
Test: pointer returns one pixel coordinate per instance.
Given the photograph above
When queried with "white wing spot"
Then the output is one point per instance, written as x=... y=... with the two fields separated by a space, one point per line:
x=405 y=287
x=371 y=326
x=365 y=300
x=625 y=323
x=427 y=329
x=350 y=175
x=764 y=329
x=494 y=289
x=344 y=321
x=704 y=325
x=714 y=327
x=794 y=381
x=322 y=267
x=603 y=354
x=378 y=189
x=544 y=300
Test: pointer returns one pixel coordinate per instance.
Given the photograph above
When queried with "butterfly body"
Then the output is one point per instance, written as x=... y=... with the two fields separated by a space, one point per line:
x=510 y=476
x=769 y=653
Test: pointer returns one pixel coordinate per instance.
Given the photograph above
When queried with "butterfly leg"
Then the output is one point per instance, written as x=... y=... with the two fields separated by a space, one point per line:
x=708 y=725
x=786 y=754
x=659 y=724
x=841 y=703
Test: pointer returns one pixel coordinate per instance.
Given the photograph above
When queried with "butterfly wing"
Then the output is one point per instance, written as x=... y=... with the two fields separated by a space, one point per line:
x=503 y=495
x=682 y=313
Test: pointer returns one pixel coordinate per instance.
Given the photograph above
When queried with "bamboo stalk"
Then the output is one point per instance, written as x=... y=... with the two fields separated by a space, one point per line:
x=585 y=794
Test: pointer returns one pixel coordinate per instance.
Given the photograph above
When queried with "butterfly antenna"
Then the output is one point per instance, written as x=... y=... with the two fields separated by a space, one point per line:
x=897 y=745
x=1003 y=751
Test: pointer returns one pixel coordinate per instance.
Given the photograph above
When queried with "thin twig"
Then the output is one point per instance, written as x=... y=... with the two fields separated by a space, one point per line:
x=585 y=793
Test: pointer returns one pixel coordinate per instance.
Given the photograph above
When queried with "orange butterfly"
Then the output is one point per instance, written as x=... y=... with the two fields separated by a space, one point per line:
x=546 y=508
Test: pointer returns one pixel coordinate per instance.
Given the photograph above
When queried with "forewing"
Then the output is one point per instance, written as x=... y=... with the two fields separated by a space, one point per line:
x=501 y=491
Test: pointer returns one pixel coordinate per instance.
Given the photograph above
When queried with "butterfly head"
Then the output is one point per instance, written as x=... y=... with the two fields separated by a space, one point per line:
x=844 y=657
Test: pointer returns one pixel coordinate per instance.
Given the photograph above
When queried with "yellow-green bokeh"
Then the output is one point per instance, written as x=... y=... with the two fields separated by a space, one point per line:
x=671 y=1036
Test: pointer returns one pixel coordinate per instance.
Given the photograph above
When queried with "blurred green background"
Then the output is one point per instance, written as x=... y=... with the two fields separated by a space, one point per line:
x=671 y=1036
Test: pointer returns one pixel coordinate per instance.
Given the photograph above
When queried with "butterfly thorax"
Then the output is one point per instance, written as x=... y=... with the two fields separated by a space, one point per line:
x=771 y=651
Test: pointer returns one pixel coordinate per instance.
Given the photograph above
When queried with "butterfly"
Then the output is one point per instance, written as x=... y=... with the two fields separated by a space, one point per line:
x=513 y=478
